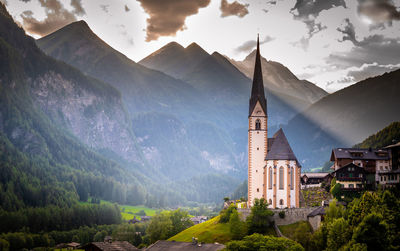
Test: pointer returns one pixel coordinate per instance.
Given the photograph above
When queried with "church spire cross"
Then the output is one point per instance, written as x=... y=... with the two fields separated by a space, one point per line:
x=257 y=89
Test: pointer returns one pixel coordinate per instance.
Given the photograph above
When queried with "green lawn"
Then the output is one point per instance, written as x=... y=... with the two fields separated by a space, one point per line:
x=209 y=232
x=128 y=212
x=289 y=230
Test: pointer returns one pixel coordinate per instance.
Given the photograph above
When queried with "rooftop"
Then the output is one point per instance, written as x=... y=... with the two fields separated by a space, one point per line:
x=183 y=246
x=315 y=175
x=112 y=246
x=359 y=154
x=280 y=148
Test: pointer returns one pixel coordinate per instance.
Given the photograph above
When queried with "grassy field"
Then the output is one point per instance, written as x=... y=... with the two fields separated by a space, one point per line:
x=289 y=230
x=128 y=212
x=209 y=232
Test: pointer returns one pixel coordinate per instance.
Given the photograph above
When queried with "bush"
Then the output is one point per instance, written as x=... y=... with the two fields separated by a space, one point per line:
x=260 y=217
x=226 y=213
x=4 y=245
x=236 y=226
x=141 y=213
x=282 y=214
x=260 y=242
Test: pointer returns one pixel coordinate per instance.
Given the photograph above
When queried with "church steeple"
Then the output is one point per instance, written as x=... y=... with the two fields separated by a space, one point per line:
x=257 y=89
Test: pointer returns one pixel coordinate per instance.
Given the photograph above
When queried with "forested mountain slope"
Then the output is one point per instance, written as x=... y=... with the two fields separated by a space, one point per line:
x=345 y=117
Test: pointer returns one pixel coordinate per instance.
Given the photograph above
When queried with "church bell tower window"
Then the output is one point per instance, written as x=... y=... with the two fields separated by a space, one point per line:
x=258 y=124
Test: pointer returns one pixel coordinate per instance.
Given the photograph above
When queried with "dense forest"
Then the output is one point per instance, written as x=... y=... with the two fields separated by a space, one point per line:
x=387 y=136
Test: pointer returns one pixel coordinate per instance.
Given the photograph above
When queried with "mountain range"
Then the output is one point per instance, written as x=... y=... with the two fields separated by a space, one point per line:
x=345 y=117
x=280 y=80
x=169 y=126
x=202 y=96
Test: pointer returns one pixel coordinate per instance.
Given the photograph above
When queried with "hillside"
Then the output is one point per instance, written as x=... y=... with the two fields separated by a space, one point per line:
x=345 y=117
x=280 y=79
x=222 y=84
x=162 y=108
x=42 y=161
x=142 y=89
x=210 y=231
x=387 y=136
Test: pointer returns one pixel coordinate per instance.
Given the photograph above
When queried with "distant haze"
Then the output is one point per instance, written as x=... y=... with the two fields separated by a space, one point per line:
x=332 y=43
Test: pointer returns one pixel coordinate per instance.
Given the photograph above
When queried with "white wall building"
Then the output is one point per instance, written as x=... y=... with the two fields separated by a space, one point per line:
x=273 y=170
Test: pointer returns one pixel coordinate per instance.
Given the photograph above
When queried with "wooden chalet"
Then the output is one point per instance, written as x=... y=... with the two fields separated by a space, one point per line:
x=351 y=177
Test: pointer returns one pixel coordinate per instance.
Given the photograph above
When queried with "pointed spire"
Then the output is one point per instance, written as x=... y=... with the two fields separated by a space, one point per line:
x=257 y=89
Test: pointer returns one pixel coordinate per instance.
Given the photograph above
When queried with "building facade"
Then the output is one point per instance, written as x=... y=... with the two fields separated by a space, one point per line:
x=273 y=169
x=375 y=162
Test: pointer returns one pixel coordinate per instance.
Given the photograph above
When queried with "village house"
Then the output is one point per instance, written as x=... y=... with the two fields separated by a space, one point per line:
x=315 y=179
x=199 y=219
x=351 y=177
x=273 y=169
x=109 y=245
x=391 y=176
x=373 y=162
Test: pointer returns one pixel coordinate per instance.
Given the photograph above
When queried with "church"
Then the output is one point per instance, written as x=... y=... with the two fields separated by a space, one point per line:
x=273 y=169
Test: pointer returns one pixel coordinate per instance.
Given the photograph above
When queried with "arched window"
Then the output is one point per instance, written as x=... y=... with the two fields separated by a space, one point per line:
x=270 y=178
x=291 y=178
x=270 y=202
x=281 y=202
x=258 y=124
x=281 y=178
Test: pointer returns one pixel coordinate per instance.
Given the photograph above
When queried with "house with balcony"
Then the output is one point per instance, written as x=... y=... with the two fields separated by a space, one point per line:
x=351 y=177
x=373 y=162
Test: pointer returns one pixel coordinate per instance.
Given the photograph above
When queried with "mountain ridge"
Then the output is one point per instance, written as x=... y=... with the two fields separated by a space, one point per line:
x=279 y=78
x=347 y=116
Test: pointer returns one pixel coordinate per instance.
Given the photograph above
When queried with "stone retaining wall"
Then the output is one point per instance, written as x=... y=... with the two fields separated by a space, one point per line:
x=292 y=215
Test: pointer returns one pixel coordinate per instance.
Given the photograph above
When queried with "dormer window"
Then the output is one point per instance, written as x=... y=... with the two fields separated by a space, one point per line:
x=258 y=124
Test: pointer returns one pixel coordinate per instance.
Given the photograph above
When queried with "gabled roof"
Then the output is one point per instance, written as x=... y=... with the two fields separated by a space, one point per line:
x=112 y=246
x=318 y=211
x=359 y=154
x=348 y=165
x=184 y=246
x=392 y=146
x=315 y=175
x=280 y=148
x=257 y=89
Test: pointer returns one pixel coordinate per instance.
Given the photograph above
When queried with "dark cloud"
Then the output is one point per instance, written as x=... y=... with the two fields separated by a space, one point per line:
x=233 y=9
x=373 y=49
x=104 y=7
x=56 y=17
x=168 y=17
x=251 y=44
x=348 y=32
x=77 y=5
x=127 y=8
x=307 y=10
x=25 y=1
x=273 y=2
x=379 y=11
x=304 y=8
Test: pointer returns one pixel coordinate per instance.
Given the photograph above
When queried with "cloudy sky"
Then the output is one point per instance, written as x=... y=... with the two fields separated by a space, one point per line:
x=333 y=43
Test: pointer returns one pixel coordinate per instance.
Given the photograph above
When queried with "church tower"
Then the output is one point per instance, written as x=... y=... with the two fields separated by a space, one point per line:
x=257 y=135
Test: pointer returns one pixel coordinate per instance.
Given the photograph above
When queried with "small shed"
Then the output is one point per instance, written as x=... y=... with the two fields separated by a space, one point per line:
x=316 y=217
